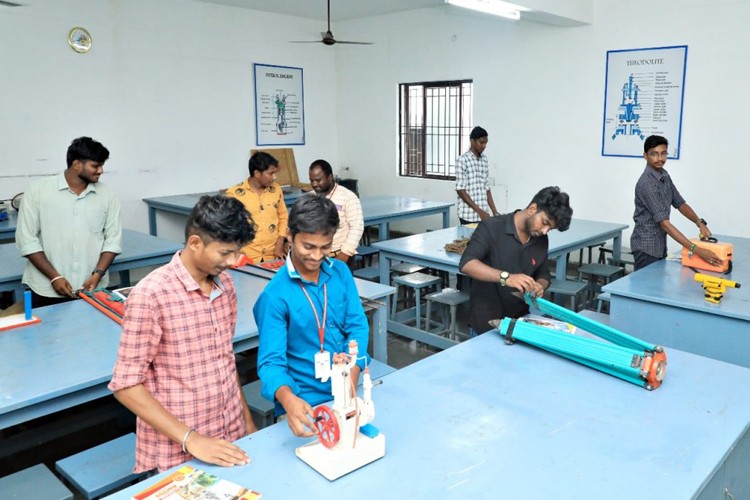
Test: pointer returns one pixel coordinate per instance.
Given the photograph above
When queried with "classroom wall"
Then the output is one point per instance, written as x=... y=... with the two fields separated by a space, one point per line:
x=167 y=87
x=539 y=91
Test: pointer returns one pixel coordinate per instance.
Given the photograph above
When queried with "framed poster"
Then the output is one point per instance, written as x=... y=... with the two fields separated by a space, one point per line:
x=643 y=95
x=279 y=105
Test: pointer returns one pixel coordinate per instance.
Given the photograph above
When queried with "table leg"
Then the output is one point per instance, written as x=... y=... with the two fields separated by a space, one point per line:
x=561 y=267
x=382 y=231
x=616 y=247
x=152 y=221
x=446 y=218
x=380 y=332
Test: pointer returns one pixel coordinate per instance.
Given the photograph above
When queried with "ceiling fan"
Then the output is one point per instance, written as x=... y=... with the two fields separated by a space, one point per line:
x=328 y=38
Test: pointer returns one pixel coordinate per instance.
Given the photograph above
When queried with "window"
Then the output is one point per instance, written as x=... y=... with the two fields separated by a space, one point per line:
x=434 y=127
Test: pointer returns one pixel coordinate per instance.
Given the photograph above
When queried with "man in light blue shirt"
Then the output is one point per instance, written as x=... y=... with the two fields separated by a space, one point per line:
x=69 y=227
x=311 y=307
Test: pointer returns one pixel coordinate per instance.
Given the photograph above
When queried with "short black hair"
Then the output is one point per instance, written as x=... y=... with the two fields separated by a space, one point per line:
x=325 y=167
x=556 y=205
x=220 y=218
x=478 y=133
x=654 y=140
x=261 y=162
x=86 y=149
x=313 y=215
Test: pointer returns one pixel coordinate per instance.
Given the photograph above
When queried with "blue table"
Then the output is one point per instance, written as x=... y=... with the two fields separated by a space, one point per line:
x=427 y=250
x=138 y=250
x=487 y=420
x=67 y=359
x=183 y=203
x=377 y=210
x=664 y=304
x=8 y=227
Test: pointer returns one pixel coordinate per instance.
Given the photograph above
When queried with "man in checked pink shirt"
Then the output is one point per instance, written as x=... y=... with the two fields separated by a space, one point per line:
x=175 y=366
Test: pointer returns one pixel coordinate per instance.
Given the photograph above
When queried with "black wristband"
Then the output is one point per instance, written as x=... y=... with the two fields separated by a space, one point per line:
x=100 y=272
x=701 y=221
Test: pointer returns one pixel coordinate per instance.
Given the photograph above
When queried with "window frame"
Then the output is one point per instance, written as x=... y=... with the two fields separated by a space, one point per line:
x=406 y=168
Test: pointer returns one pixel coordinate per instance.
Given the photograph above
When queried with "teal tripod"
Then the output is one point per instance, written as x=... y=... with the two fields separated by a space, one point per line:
x=623 y=356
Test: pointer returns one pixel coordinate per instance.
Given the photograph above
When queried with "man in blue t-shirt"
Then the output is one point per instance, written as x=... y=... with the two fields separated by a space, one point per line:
x=309 y=310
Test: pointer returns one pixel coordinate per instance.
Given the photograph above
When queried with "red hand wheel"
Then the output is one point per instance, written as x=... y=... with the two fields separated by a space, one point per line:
x=327 y=425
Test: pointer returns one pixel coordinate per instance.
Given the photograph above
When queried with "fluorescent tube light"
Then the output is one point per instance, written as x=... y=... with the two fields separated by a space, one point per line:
x=493 y=7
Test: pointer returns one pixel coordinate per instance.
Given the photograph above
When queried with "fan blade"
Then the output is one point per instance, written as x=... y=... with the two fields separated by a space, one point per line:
x=354 y=43
x=306 y=41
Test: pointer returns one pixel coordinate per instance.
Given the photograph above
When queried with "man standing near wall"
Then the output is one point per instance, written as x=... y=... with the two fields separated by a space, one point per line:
x=69 y=227
x=264 y=199
x=351 y=222
x=472 y=181
x=654 y=194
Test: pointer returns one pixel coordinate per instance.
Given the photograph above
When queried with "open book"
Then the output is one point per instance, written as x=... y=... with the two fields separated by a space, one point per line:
x=187 y=483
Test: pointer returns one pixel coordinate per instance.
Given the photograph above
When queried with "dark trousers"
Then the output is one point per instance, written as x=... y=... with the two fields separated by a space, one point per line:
x=642 y=259
x=41 y=301
x=464 y=221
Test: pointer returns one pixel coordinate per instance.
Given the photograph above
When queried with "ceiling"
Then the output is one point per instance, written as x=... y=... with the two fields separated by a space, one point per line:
x=341 y=10
x=345 y=10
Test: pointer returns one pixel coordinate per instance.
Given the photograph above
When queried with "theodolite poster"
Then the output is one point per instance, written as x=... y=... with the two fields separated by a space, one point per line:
x=279 y=105
x=644 y=93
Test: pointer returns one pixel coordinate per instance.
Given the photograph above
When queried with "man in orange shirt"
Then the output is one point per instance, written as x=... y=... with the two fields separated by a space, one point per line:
x=263 y=198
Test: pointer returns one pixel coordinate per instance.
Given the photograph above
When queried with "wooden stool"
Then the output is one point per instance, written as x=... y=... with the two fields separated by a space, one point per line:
x=450 y=298
x=34 y=483
x=569 y=288
x=101 y=469
x=417 y=281
x=258 y=404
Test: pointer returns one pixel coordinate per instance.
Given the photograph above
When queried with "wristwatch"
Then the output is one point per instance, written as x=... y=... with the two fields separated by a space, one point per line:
x=504 y=275
x=100 y=272
x=701 y=221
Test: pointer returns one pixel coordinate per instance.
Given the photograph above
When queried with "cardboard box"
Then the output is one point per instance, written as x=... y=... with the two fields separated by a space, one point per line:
x=288 y=175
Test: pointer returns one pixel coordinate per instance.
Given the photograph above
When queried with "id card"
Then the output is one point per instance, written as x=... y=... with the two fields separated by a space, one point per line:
x=322 y=365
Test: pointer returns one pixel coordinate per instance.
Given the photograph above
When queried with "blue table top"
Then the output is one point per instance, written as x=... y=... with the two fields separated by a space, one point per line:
x=486 y=420
x=59 y=357
x=430 y=246
x=669 y=283
x=8 y=227
x=136 y=247
x=374 y=208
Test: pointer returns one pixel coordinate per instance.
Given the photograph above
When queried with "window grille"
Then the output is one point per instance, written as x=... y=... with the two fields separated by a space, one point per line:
x=434 y=127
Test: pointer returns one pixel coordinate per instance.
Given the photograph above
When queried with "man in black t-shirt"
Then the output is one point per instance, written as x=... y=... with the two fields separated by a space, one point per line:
x=508 y=253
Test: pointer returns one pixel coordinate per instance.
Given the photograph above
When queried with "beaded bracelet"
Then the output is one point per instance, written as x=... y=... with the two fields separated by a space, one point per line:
x=690 y=252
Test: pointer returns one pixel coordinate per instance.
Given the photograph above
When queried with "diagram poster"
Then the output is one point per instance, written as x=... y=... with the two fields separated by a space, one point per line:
x=279 y=105
x=643 y=95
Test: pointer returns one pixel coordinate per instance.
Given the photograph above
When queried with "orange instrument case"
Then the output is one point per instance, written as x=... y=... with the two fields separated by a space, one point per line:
x=722 y=250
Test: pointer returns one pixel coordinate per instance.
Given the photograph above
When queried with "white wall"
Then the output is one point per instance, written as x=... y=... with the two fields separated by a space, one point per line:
x=167 y=87
x=539 y=92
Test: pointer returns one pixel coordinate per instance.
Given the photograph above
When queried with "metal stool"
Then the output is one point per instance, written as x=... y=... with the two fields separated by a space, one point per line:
x=594 y=272
x=406 y=268
x=400 y=270
x=569 y=288
x=447 y=297
x=417 y=281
